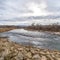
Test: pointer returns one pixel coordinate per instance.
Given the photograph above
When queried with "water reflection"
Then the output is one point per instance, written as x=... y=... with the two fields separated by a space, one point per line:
x=38 y=39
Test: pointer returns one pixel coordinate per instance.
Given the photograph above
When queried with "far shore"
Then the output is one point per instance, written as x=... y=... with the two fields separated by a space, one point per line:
x=30 y=28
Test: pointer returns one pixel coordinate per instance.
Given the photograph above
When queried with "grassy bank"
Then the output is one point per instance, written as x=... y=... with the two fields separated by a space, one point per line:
x=52 y=28
x=7 y=28
x=12 y=51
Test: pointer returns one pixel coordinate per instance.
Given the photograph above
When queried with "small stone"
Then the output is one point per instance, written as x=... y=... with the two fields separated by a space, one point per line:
x=47 y=52
x=19 y=56
x=32 y=51
x=43 y=58
x=50 y=57
x=20 y=49
x=42 y=53
x=58 y=58
x=28 y=59
x=29 y=55
x=36 y=57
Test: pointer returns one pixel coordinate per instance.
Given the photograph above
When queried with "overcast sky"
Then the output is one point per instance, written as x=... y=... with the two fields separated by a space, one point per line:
x=17 y=8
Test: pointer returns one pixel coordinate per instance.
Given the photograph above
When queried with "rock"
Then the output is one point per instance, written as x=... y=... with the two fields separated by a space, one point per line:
x=20 y=49
x=43 y=58
x=29 y=55
x=50 y=57
x=57 y=58
x=28 y=59
x=42 y=53
x=36 y=57
x=13 y=51
x=32 y=51
x=20 y=56
x=1 y=58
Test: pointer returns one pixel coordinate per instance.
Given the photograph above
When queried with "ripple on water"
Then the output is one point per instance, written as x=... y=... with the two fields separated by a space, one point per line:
x=38 y=39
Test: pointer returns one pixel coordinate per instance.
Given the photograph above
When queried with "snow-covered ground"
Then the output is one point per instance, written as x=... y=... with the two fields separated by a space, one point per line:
x=34 y=38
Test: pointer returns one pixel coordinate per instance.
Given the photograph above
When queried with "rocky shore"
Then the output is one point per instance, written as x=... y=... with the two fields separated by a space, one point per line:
x=13 y=51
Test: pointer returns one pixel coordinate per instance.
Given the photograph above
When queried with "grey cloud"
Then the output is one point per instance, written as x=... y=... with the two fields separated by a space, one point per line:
x=53 y=5
x=15 y=6
x=12 y=8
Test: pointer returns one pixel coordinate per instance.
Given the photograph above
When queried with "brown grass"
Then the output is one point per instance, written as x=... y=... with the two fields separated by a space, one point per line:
x=5 y=29
x=52 y=28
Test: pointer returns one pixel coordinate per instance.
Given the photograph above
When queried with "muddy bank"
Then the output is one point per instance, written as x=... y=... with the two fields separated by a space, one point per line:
x=12 y=51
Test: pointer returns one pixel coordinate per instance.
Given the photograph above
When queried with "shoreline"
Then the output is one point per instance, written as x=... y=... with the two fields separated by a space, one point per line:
x=11 y=50
x=8 y=29
x=43 y=28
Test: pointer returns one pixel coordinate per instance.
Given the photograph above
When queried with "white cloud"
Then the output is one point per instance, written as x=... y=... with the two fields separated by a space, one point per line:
x=16 y=8
x=36 y=8
x=53 y=6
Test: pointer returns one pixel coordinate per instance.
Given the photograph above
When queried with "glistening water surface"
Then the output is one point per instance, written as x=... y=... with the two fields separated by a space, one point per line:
x=33 y=38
